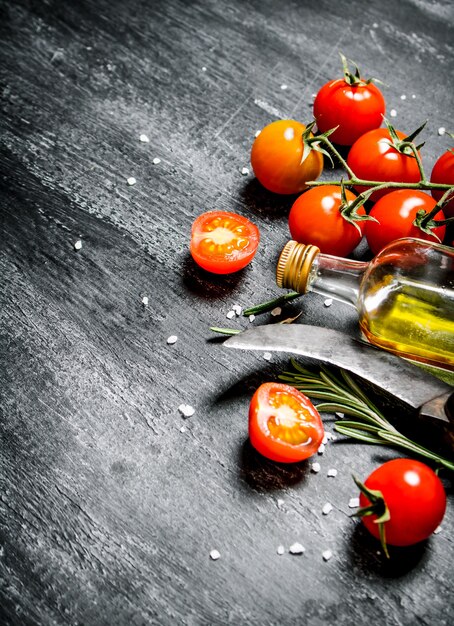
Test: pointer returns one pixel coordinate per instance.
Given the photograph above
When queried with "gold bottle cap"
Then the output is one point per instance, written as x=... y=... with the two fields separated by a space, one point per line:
x=294 y=265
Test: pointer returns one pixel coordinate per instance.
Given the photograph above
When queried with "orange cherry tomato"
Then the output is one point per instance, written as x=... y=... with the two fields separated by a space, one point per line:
x=276 y=158
x=284 y=425
x=223 y=242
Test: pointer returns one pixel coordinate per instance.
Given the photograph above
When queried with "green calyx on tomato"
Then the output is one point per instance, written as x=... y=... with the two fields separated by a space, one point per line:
x=354 y=79
x=377 y=507
x=406 y=144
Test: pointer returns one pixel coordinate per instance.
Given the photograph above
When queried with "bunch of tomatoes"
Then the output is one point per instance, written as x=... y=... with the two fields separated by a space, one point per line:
x=285 y=156
x=402 y=498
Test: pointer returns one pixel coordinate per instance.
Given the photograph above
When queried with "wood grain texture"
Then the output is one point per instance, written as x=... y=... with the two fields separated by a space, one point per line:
x=108 y=511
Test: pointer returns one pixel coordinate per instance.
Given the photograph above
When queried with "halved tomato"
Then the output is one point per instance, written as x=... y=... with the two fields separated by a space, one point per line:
x=223 y=242
x=284 y=425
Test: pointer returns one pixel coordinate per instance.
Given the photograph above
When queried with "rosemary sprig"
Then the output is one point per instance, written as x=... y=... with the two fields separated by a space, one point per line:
x=341 y=394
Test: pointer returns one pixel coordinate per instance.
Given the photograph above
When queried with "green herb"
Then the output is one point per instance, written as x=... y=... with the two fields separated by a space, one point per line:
x=341 y=394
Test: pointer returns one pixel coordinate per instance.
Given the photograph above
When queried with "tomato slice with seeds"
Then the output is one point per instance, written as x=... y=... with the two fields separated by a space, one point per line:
x=284 y=425
x=223 y=242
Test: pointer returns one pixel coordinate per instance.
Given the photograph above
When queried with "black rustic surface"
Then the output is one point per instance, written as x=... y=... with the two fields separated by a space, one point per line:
x=111 y=501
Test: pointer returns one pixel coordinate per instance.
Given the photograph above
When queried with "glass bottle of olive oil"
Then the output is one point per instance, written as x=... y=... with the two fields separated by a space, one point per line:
x=404 y=296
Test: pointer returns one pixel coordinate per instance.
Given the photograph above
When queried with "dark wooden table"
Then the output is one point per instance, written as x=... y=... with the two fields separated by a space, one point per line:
x=111 y=501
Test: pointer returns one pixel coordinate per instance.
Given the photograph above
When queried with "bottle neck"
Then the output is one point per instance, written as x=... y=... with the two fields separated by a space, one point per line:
x=303 y=268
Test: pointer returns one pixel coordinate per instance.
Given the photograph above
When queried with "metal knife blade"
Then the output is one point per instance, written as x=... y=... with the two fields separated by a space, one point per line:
x=409 y=383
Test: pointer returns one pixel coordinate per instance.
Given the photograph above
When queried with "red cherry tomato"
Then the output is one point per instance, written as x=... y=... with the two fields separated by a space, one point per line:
x=443 y=172
x=223 y=242
x=396 y=213
x=284 y=425
x=355 y=109
x=315 y=218
x=373 y=157
x=276 y=158
x=415 y=498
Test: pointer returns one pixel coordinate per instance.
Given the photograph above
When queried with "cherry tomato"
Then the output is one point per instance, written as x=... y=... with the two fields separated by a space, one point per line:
x=223 y=242
x=373 y=157
x=443 y=172
x=355 y=109
x=276 y=158
x=284 y=425
x=415 y=498
x=315 y=218
x=396 y=213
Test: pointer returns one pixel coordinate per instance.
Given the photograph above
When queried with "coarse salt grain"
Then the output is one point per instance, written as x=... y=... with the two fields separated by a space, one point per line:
x=156 y=160
x=393 y=113
x=245 y=171
x=215 y=555
x=328 y=302
x=332 y=473
x=204 y=69
x=183 y=429
x=438 y=530
x=280 y=502
x=441 y=130
x=78 y=245
x=353 y=503
x=257 y=133
x=321 y=448
x=267 y=356
x=238 y=310
x=327 y=508
x=280 y=550
x=230 y=315
x=403 y=97
x=145 y=301
x=341 y=415
x=276 y=311
x=172 y=339
x=186 y=410
x=131 y=180
x=251 y=318
x=144 y=138
x=315 y=467
x=284 y=87
x=296 y=548
x=327 y=554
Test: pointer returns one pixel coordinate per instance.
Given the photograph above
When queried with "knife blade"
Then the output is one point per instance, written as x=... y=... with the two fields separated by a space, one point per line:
x=428 y=395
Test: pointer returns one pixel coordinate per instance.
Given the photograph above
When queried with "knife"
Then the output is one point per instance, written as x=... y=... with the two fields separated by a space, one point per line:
x=423 y=393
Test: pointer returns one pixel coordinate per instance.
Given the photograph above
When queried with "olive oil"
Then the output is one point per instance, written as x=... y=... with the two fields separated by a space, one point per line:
x=404 y=296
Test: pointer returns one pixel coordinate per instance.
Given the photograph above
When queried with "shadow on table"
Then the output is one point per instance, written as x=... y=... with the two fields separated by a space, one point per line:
x=366 y=555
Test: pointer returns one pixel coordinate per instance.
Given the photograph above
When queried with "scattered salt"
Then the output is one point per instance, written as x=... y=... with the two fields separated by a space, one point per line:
x=257 y=133
x=186 y=410
x=280 y=502
x=284 y=87
x=204 y=69
x=332 y=473
x=145 y=301
x=267 y=356
x=393 y=113
x=230 y=315
x=328 y=302
x=245 y=171
x=315 y=467
x=437 y=530
x=156 y=160
x=375 y=25
x=413 y=96
x=131 y=180
x=441 y=130
x=403 y=97
x=238 y=310
x=341 y=415
x=182 y=429
x=296 y=548
x=280 y=550
x=321 y=449
x=144 y=138
x=327 y=508
x=353 y=503
x=78 y=245
x=172 y=339
x=327 y=554
x=276 y=311
x=251 y=318
x=215 y=555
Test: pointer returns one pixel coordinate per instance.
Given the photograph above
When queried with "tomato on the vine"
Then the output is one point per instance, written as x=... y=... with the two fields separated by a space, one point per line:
x=223 y=242
x=414 y=497
x=277 y=158
x=284 y=425
x=396 y=213
x=316 y=218
x=443 y=172
x=374 y=157
x=352 y=104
